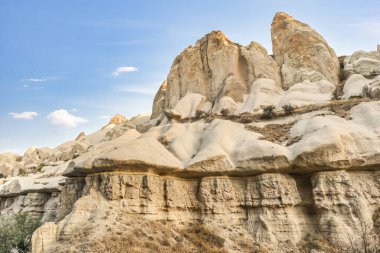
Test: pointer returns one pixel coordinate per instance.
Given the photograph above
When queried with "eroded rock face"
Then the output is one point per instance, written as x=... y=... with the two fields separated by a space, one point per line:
x=224 y=72
x=363 y=63
x=9 y=164
x=301 y=52
x=227 y=176
x=159 y=101
x=271 y=208
x=215 y=68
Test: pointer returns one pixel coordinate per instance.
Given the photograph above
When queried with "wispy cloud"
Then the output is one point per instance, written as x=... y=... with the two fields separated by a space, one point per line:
x=27 y=86
x=104 y=117
x=39 y=80
x=370 y=26
x=64 y=118
x=23 y=115
x=124 y=69
x=122 y=24
x=135 y=89
x=121 y=43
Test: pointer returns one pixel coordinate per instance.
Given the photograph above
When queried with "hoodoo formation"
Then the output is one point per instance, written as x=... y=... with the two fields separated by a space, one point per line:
x=243 y=152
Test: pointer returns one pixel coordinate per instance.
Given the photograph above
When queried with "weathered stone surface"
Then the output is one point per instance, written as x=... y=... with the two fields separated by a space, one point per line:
x=271 y=208
x=363 y=63
x=118 y=119
x=216 y=67
x=9 y=164
x=299 y=50
x=159 y=101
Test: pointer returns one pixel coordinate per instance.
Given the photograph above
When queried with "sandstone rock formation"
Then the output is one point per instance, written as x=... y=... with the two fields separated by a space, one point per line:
x=301 y=52
x=355 y=84
x=159 y=101
x=9 y=164
x=216 y=68
x=227 y=74
x=363 y=63
x=212 y=169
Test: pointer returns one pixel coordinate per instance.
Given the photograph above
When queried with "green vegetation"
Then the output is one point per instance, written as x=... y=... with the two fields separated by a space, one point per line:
x=356 y=97
x=16 y=233
x=199 y=114
x=225 y=112
x=268 y=112
x=288 y=109
x=367 y=92
x=41 y=166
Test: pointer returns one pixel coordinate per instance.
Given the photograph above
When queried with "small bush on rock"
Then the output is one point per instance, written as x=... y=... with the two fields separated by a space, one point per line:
x=224 y=112
x=199 y=114
x=367 y=92
x=288 y=109
x=39 y=168
x=268 y=112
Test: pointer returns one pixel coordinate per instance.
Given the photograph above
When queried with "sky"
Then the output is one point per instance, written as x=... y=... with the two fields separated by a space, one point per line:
x=67 y=66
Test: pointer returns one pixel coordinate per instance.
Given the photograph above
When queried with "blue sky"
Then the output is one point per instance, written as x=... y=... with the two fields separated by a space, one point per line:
x=59 y=59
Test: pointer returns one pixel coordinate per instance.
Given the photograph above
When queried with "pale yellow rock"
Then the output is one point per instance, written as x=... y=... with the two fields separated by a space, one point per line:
x=364 y=63
x=216 y=67
x=298 y=48
x=118 y=119
x=270 y=208
x=159 y=101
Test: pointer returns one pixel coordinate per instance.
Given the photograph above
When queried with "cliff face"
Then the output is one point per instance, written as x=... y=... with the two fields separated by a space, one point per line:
x=244 y=152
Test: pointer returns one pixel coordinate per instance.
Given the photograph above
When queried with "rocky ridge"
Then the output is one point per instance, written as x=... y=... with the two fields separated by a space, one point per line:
x=243 y=152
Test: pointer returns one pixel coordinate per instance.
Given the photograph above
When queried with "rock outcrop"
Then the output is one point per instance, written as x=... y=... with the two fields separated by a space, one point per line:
x=243 y=152
x=301 y=52
x=216 y=68
x=159 y=101
x=363 y=63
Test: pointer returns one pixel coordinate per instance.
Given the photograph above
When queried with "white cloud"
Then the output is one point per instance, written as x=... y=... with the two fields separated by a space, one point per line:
x=104 y=117
x=121 y=70
x=23 y=115
x=39 y=80
x=64 y=118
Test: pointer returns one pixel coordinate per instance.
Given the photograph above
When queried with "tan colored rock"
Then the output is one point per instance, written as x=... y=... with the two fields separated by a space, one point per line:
x=270 y=209
x=44 y=237
x=299 y=49
x=80 y=136
x=159 y=101
x=9 y=164
x=364 y=63
x=68 y=150
x=216 y=67
x=264 y=65
x=118 y=119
